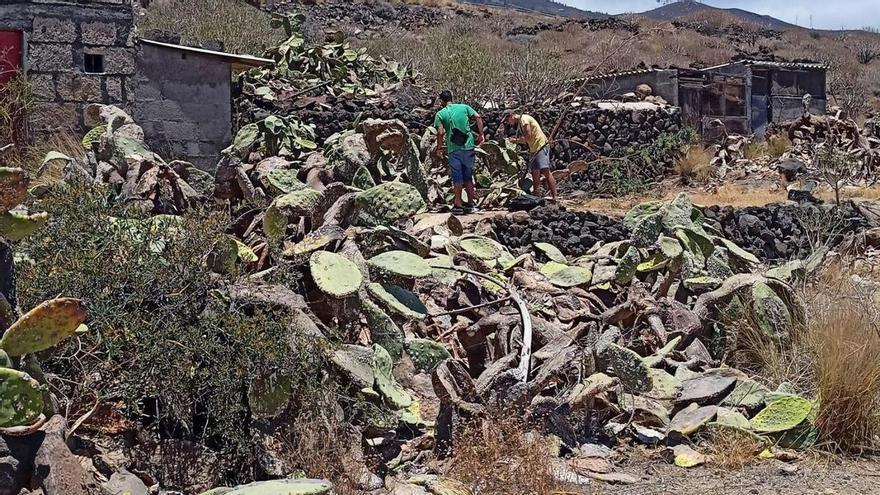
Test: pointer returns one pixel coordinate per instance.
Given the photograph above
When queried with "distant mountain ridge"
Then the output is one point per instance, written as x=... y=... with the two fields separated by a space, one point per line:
x=673 y=11
x=549 y=7
x=682 y=9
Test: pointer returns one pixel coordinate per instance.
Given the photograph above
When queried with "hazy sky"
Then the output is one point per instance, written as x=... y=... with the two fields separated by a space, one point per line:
x=827 y=14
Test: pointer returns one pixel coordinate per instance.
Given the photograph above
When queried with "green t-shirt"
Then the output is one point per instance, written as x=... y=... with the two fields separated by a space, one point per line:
x=456 y=116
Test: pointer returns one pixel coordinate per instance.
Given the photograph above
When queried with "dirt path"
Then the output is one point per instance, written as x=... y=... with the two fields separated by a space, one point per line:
x=767 y=477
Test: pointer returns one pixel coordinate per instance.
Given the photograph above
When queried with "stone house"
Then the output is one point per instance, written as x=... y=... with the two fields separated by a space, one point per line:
x=79 y=52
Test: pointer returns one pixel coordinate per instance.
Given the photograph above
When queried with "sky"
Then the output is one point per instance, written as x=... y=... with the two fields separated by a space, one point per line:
x=826 y=14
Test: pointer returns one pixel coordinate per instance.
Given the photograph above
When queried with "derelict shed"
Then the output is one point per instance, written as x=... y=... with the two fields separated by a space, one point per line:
x=183 y=99
x=663 y=82
x=776 y=90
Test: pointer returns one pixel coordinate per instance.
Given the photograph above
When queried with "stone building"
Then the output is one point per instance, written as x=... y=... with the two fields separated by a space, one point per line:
x=79 y=52
x=75 y=52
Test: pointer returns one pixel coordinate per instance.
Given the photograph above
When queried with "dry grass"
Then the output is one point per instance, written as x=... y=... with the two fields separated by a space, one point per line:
x=731 y=449
x=694 y=164
x=241 y=27
x=30 y=156
x=497 y=456
x=845 y=336
x=778 y=145
x=323 y=447
x=16 y=101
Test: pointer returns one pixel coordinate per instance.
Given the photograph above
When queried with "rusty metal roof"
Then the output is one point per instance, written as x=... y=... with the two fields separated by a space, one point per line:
x=615 y=74
x=781 y=65
x=235 y=60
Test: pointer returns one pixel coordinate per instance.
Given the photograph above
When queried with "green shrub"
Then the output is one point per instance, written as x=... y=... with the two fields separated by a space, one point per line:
x=161 y=338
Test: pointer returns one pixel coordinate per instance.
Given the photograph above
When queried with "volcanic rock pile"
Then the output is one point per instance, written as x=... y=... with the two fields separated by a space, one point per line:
x=573 y=232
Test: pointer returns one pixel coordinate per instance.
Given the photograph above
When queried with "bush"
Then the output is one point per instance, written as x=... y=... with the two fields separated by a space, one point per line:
x=694 y=164
x=161 y=338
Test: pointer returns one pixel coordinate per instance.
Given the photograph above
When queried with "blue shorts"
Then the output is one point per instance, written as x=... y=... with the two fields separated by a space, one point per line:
x=541 y=160
x=461 y=166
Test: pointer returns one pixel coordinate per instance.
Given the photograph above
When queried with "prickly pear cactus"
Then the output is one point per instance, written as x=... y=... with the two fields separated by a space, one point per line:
x=44 y=326
x=426 y=354
x=284 y=487
x=282 y=181
x=93 y=136
x=400 y=264
x=274 y=224
x=389 y=202
x=13 y=187
x=571 y=276
x=771 y=312
x=630 y=368
x=335 y=275
x=627 y=267
x=15 y=226
x=385 y=382
x=481 y=247
x=671 y=248
x=299 y=203
x=782 y=414
x=738 y=252
x=398 y=300
x=383 y=330
x=363 y=179
x=21 y=398
x=552 y=252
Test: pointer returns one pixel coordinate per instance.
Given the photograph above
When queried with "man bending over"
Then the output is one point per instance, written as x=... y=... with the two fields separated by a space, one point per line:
x=530 y=133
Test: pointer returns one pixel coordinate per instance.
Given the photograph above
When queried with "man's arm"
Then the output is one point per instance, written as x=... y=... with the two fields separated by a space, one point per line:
x=527 y=135
x=481 y=136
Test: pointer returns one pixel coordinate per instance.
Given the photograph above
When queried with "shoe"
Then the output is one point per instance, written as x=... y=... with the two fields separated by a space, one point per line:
x=458 y=210
x=471 y=209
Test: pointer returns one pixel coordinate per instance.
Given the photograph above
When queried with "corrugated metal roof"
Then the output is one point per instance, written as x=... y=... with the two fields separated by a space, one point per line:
x=231 y=58
x=615 y=74
x=765 y=63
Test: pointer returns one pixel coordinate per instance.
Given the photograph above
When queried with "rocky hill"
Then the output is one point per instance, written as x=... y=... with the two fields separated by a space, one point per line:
x=542 y=6
x=687 y=8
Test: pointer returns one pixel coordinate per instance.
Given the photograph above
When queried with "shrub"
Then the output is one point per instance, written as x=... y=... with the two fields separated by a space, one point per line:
x=161 y=339
x=777 y=145
x=16 y=100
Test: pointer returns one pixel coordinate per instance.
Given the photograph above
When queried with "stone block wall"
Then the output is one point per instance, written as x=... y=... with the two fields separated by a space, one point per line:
x=183 y=102
x=59 y=34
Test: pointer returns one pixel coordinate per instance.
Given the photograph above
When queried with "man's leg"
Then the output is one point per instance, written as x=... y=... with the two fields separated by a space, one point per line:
x=536 y=182
x=471 y=192
x=467 y=167
x=551 y=182
x=456 y=172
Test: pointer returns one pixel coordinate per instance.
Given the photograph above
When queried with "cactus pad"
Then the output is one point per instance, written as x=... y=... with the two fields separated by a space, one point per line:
x=21 y=398
x=781 y=415
x=739 y=252
x=385 y=382
x=13 y=187
x=383 y=330
x=390 y=202
x=363 y=179
x=15 y=226
x=398 y=300
x=571 y=276
x=671 y=248
x=426 y=354
x=401 y=264
x=771 y=312
x=628 y=265
x=335 y=275
x=299 y=203
x=356 y=362
x=630 y=368
x=274 y=224
x=282 y=181
x=93 y=136
x=481 y=247
x=552 y=252
x=284 y=487
x=44 y=326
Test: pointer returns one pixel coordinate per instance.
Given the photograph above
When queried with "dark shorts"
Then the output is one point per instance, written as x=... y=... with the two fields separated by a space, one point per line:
x=461 y=166
x=541 y=160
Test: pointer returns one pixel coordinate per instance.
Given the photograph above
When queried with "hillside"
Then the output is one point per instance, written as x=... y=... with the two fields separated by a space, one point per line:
x=684 y=9
x=543 y=6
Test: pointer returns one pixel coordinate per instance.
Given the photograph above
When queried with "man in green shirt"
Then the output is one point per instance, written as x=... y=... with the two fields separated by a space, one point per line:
x=453 y=123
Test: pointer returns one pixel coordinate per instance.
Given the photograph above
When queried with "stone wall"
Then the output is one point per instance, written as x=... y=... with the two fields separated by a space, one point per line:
x=59 y=34
x=183 y=102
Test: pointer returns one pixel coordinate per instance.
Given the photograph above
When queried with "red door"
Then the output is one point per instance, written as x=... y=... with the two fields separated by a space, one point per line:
x=10 y=54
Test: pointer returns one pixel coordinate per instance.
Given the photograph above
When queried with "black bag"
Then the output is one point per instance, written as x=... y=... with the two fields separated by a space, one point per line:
x=525 y=202
x=459 y=138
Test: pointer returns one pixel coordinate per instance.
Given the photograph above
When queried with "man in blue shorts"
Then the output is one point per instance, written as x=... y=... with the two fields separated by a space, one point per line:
x=453 y=123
